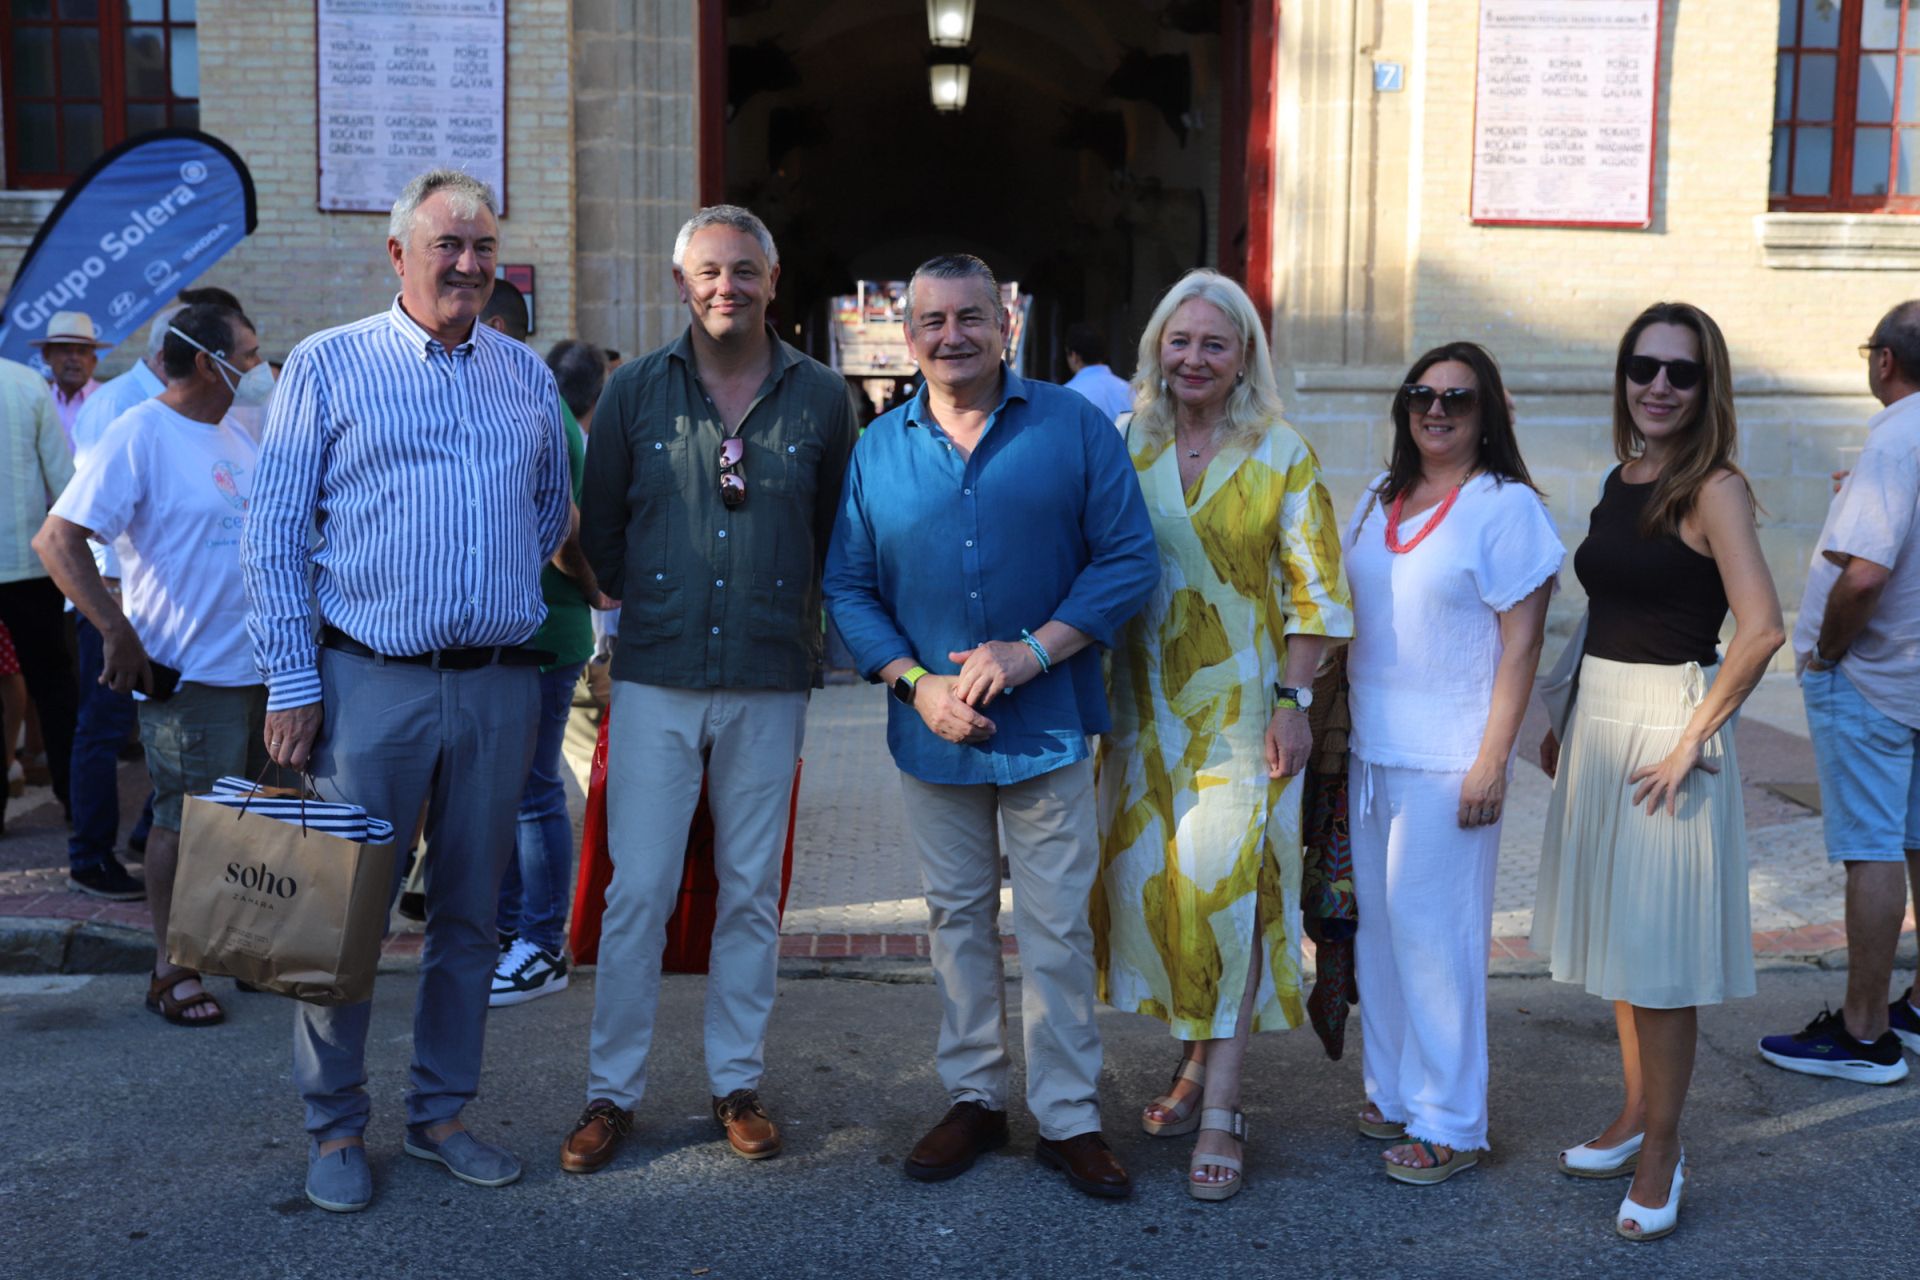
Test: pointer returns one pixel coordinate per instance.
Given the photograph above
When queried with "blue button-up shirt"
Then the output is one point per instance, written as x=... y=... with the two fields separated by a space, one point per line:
x=935 y=552
x=438 y=482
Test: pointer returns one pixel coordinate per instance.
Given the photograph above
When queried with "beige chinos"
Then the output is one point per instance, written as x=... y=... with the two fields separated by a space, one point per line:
x=1053 y=852
x=661 y=741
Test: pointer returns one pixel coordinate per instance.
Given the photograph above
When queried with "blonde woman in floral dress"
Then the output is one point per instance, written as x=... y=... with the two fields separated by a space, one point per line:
x=1195 y=911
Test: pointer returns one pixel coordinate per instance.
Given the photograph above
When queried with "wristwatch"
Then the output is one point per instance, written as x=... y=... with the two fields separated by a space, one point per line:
x=1293 y=699
x=903 y=687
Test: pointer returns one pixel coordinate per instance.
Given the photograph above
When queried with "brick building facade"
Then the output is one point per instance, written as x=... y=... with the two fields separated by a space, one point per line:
x=618 y=125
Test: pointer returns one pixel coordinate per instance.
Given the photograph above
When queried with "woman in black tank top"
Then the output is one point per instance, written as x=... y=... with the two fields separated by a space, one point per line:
x=1644 y=870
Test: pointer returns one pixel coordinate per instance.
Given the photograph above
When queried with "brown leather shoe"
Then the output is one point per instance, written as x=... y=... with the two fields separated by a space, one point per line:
x=749 y=1130
x=1088 y=1163
x=595 y=1137
x=968 y=1131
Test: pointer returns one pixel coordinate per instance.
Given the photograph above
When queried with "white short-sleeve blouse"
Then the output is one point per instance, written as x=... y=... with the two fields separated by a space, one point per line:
x=1427 y=622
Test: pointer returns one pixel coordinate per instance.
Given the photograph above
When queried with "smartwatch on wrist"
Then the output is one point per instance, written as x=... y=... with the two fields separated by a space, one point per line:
x=903 y=687
x=1292 y=699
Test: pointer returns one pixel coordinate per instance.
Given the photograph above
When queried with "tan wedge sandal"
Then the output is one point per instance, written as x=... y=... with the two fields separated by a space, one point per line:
x=1234 y=1125
x=1383 y=1129
x=1186 y=1115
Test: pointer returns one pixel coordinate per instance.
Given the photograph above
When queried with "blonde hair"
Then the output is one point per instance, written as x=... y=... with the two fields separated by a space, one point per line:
x=1252 y=406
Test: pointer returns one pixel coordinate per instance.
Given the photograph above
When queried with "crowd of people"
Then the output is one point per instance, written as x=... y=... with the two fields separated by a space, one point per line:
x=1106 y=614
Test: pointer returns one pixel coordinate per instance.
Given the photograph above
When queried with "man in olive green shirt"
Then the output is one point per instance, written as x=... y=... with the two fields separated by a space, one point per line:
x=713 y=481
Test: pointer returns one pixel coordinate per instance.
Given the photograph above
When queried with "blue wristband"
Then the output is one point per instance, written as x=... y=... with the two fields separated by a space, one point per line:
x=1039 y=651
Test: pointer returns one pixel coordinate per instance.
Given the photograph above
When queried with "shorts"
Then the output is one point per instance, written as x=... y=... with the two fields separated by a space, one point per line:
x=203 y=732
x=1869 y=772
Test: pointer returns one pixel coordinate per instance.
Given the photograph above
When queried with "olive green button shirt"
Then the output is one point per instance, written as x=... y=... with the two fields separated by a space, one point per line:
x=712 y=597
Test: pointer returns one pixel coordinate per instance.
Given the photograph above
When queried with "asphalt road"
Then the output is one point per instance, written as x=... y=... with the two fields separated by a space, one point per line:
x=129 y=1148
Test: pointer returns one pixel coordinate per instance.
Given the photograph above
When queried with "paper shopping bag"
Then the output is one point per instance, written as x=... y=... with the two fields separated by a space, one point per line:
x=291 y=910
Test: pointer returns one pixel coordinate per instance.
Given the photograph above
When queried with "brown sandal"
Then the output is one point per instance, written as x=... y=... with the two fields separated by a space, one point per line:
x=161 y=1000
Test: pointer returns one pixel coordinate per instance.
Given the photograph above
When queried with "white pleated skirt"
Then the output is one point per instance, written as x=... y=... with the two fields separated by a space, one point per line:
x=1641 y=907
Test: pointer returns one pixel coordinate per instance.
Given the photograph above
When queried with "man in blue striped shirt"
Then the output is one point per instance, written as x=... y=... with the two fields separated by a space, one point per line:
x=413 y=481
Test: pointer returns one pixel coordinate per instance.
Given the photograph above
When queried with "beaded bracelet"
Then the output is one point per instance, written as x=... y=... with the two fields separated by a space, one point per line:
x=1039 y=651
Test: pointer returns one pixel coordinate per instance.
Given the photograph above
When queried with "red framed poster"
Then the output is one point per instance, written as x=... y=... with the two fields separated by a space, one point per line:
x=1566 y=113
x=405 y=86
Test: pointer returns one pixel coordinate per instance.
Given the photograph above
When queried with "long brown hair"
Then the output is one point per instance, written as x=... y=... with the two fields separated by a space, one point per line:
x=1706 y=441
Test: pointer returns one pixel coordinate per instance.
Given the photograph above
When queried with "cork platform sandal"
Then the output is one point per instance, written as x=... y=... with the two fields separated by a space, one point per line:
x=1186 y=1115
x=1234 y=1124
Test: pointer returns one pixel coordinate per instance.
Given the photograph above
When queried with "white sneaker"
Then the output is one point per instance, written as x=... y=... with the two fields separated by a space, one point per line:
x=527 y=972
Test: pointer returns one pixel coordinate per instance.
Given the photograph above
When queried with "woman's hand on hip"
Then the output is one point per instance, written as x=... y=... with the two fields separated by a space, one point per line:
x=1483 y=795
x=1289 y=742
x=1662 y=781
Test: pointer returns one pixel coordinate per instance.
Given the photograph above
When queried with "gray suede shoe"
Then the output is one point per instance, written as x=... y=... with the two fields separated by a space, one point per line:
x=466 y=1157
x=339 y=1182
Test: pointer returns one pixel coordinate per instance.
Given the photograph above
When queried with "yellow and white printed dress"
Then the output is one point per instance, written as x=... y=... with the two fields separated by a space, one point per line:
x=1195 y=841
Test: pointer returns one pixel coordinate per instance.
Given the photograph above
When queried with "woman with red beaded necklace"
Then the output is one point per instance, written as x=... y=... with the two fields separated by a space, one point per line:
x=1451 y=558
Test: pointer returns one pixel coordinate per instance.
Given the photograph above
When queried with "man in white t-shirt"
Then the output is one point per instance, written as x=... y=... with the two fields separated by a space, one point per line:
x=174 y=477
x=1857 y=647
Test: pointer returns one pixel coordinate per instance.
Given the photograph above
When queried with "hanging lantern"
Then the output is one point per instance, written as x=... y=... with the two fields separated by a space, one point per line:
x=948 y=72
x=950 y=23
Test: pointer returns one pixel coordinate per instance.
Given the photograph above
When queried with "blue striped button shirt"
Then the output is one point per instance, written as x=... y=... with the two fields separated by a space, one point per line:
x=438 y=484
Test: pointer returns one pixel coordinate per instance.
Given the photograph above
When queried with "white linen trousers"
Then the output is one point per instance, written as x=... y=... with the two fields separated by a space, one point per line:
x=1424 y=887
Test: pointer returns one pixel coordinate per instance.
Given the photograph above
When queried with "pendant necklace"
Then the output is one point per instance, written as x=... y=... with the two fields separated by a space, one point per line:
x=1433 y=521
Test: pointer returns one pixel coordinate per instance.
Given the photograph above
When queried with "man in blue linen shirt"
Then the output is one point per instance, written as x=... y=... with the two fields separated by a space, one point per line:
x=991 y=531
x=429 y=451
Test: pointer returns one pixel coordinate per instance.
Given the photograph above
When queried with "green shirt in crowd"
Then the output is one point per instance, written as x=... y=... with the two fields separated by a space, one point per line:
x=568 y=631
x=712 y=596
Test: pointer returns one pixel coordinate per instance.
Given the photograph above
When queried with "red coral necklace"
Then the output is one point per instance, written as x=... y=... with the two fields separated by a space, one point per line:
x=1433 y=521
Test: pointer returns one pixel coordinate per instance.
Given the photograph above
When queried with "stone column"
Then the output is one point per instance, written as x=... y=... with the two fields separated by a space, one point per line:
x=636 y=133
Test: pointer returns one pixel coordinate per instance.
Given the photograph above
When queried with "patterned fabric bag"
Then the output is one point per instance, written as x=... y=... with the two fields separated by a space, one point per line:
x=1331 y=916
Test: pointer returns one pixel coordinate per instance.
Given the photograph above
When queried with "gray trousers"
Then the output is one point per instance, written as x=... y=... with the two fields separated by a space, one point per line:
x=1053 y=852
x=660 y=742
x=395 y=737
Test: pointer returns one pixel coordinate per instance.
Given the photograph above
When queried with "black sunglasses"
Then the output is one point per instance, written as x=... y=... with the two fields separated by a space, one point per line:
x=1455 y=402
x=1682 y=375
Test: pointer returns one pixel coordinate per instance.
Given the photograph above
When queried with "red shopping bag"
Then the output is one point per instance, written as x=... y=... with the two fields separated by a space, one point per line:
x=690 y=929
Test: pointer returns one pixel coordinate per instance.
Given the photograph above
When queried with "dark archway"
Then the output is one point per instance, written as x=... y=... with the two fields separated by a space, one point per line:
x=1087 y=164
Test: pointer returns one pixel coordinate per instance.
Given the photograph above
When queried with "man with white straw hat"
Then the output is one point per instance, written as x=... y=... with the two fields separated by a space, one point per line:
x=72 y=350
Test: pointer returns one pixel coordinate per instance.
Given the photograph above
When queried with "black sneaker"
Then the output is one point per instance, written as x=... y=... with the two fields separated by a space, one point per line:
x=107 y=880
x=527 y=972
x=1903 y=1019
x=507 y=937
x=1826 y=1048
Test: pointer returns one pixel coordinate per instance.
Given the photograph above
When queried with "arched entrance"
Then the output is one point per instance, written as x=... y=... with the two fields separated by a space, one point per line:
x=1105 y=147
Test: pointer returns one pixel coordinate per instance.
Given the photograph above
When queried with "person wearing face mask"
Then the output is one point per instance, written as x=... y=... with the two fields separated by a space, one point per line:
x=1452 y=557
x=173 y=475
x=106 y=717
x=1200 y=777
x=1643 y=875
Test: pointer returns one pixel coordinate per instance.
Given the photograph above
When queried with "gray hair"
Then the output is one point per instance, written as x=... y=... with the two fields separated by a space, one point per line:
x=724 y=215
x=157 y=333
x=956 y=266
x=467 y=193
x=1899 y=332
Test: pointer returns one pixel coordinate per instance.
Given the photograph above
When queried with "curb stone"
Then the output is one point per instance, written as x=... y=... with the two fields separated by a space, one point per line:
x=30 y=945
